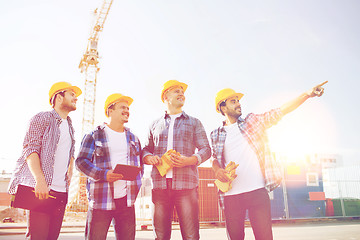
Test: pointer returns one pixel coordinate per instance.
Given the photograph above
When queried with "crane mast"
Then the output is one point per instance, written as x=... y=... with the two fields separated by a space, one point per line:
x=89 y=67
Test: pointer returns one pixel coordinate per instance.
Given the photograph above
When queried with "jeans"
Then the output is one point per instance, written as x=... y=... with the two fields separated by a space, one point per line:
x=257 y=203
x=123 y=217
x=47 y=226
x=187 y=207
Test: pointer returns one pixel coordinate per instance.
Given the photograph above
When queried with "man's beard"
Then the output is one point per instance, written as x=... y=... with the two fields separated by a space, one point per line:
x=68 y=107
x=235 y=114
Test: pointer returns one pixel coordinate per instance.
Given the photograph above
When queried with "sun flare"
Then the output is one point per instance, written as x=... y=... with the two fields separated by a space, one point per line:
x=297 y=134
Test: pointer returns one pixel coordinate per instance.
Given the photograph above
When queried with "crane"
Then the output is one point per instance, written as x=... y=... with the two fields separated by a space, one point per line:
x=89 y=67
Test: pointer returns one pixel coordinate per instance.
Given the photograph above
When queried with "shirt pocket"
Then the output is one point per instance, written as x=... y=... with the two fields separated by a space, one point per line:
x=184 y=136
x=160 y=133
x=99 y=149
x=134 y=148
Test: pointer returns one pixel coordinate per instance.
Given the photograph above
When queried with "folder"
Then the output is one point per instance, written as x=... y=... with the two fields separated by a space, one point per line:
x=166 y=164
x=25 y=198
x=128 y=171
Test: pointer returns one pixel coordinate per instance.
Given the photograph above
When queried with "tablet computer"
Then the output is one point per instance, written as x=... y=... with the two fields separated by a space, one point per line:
x=128 y=171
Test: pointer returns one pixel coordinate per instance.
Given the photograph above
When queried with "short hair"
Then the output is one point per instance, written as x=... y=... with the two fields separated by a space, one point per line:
x=112 y=106
x=62 y=93
x=222 y=104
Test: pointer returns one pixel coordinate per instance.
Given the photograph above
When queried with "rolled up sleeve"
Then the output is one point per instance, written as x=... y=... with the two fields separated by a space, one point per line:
x=84 y=161
x=34 y=135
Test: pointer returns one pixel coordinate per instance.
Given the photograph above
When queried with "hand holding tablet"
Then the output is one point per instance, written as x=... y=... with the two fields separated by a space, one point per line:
x=129 y=172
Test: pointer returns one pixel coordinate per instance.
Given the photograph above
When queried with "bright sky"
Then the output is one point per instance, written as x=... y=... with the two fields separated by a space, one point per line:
x=271 y=51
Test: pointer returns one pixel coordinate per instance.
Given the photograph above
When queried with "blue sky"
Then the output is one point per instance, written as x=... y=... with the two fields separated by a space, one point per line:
x=271 y=51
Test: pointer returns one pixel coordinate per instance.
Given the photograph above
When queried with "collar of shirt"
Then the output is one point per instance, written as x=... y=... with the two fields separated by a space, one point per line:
x=102 y=127
x=183 y=114
x=239 y=121
x=56 y=115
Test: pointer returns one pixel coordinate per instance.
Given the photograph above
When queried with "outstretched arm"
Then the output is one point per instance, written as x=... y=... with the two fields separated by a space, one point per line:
x=290 y=106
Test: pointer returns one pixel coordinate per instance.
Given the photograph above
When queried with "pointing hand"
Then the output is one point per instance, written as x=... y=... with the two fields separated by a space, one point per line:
x=317 y=91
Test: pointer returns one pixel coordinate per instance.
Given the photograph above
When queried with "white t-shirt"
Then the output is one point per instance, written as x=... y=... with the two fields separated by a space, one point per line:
x=118 y=155
x=61 y=158
x=170 y=142
x=238 y=150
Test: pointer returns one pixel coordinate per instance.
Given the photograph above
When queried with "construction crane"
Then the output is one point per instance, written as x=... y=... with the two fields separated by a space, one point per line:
x=89 y=67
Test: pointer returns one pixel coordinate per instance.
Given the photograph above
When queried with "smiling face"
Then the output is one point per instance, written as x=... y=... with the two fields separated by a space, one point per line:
x=232 y=108
x=119 y=112
x=175 y=97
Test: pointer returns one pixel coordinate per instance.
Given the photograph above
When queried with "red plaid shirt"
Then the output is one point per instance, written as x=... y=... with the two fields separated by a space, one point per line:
x=41 y=137
x=253 y=128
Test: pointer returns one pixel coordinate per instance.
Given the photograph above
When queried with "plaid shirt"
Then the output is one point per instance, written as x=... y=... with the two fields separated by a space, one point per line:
x=94 y=161
x=42 y=137
x=253 y=129
x=189 y=134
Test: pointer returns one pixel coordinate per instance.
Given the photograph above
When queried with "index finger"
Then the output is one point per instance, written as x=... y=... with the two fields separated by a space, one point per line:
x=116 y=174
x=322 y=84
x=46 y=195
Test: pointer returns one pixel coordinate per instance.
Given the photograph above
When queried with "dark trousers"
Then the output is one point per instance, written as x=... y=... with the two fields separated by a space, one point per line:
x=123 y=217
x=187 y=208
x=47 y=226
x=257 y=203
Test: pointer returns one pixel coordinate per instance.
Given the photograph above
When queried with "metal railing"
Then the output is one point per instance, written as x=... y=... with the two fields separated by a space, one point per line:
x=340 y=187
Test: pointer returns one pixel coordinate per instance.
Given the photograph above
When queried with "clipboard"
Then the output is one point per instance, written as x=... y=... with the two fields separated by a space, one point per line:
x=25 y=198
x=128 y=171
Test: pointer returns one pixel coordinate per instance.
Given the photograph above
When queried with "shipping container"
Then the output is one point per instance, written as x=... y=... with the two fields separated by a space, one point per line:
x=209 y=210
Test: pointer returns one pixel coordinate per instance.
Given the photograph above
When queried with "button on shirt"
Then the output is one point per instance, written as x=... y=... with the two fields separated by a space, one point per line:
x=170 y=143
x=61 y=162
x=118 y=155
x=189 y=135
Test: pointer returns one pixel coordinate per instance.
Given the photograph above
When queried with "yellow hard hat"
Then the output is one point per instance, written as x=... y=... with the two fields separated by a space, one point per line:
x=170 y=84
x=225 y=94
x=114 y=98
x=62 y=86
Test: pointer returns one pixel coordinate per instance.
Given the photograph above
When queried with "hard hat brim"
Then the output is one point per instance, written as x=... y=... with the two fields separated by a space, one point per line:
x=76 y=89
x=127 y=99
x=238 y=95
x=176 y=84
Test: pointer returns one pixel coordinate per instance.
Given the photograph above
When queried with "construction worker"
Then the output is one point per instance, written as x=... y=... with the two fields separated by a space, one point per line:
x=176 y=130
x=110 y=197
x=244 y=142
x=46 y=162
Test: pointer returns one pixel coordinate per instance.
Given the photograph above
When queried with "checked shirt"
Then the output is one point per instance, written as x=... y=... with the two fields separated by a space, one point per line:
x=94 y=161
x=189 y=135
x=253 y=128
x=42 y=137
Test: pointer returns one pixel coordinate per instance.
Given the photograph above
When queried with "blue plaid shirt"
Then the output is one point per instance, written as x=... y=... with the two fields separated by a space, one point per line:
x=253 y=128
x=94 y=161
x=189 y=135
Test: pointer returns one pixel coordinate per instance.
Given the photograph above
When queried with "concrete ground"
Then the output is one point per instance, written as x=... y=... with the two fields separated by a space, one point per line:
x=328 y=229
